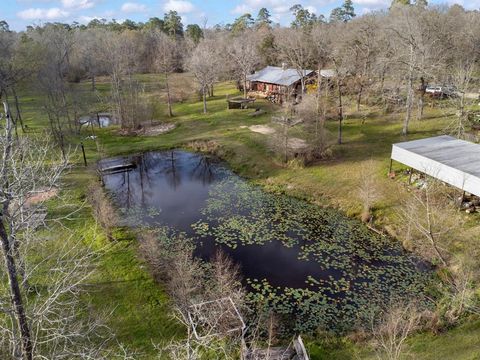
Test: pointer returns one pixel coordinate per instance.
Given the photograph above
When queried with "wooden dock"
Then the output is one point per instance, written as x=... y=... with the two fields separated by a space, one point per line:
x=115 y=166
x=295 y=352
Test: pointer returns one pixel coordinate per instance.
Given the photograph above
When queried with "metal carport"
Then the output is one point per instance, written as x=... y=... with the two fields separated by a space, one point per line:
x=453 y=161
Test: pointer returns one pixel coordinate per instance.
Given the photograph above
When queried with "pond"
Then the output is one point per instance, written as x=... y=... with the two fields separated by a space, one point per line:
x=101 y=121
x=313 y=266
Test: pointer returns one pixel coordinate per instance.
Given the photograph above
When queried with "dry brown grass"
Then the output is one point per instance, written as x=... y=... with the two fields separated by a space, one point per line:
x=102 y=208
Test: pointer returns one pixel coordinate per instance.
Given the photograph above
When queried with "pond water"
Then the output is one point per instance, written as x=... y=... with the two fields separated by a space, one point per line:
x=313 y=266
x=102 y=121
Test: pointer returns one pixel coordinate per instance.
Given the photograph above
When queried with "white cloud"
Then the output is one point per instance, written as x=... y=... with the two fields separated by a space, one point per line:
x=180 y=6
x=131 y=7
x=242 y=9
x=373 y=3
x=78 y=4
x=86 y=19
x=277 y=7
x=42 y=14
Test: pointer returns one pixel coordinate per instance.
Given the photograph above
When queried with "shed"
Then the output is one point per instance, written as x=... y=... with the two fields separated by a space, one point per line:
x=453 y=161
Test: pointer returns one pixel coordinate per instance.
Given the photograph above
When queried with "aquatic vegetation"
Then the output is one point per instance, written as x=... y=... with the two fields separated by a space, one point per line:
x=313 y=266
x=359 y=270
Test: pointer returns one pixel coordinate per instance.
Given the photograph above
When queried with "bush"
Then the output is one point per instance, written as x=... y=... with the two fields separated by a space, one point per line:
x=102 y=208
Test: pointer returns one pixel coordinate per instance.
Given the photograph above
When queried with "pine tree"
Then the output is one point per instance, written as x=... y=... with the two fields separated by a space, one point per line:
x=263 y=17
x=400 y=3
x=173 y=23
x=345 y=13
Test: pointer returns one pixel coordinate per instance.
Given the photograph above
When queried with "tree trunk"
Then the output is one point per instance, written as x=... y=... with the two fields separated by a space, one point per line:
x=15 y=294
x=94 y=85
x=409 y=104
x=245 y=86
x=204 y=99
x=359 y=96
x=421 y=102
x=8 y=255
x=340 y=111
x=169 y=99
x=319 y=94
x=430 y=231
x=17 y=108
x=408 y=114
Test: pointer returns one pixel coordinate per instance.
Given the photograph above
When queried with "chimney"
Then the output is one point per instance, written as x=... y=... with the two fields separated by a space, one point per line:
x=284 y=66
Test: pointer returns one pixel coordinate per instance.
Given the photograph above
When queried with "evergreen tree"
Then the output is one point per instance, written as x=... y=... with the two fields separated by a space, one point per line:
x=263 y=18
x=400 y=3
x=242 y=23
x=344 y=13
x=4 y=26
x=194 y=32
x=155 y=23
x=421 y=3
x=173 y=24
x=348 y=10
x=303 y=18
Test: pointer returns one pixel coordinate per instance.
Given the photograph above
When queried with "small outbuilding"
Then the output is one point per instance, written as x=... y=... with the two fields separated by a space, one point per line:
x=453 y=161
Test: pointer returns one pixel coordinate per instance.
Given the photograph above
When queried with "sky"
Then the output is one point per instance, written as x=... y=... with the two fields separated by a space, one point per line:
x=20 y=13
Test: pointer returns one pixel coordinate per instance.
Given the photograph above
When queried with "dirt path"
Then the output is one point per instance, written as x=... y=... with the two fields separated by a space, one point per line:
x=293 y=143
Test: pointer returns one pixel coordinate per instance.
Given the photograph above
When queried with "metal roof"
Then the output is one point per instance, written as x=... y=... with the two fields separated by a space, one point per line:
x=454 y=161
x=278 y=76
x=327 y=73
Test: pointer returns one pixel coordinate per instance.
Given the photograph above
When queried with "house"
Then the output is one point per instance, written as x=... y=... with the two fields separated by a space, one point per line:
x=453 y=161
x=279 y=84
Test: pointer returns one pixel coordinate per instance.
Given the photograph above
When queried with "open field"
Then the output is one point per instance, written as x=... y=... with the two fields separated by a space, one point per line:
x=141 y=314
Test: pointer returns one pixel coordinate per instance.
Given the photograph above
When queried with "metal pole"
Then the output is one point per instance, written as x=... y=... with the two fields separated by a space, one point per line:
x=390 y=169
x=83 y=152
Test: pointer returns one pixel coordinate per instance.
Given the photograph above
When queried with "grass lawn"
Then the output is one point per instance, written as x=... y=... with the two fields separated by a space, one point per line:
x=140 y=307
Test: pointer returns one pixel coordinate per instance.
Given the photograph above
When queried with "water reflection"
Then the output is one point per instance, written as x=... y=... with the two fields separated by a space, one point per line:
x=100 y=121
x=328 y=266
x=172 y=188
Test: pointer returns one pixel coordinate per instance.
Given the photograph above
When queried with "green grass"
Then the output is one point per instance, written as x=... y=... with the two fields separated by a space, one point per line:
x=141 y=313
x=460 y=343
x=120 y=289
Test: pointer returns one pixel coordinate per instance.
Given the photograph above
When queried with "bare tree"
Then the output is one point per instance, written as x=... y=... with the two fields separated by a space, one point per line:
x=368 y=189
x=88 y=52
x=120 y=55
x=56 y=43
x=391 y=332
x=430 y=221
x=462 y=63
x=42 y=281
x=281 y=140
x=9 y=244
x=166 y=49
x=296 y=50
x=314 y=122
x=242 y=51
x=203 y=64
x=416 y=49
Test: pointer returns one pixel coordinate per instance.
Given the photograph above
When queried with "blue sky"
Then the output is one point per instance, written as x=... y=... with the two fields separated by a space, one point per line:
x=20 y=13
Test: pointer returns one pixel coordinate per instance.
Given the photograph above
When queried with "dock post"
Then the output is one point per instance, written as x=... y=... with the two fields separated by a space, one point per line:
x=462 y=200
x=83 y=152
